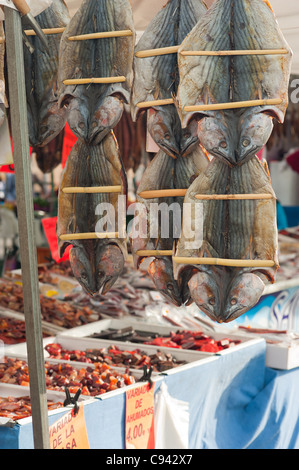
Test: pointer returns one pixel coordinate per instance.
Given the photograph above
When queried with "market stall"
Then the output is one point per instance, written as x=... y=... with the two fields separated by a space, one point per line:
x=149 y=286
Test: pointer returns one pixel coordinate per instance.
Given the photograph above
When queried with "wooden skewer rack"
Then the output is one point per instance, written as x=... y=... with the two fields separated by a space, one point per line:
x=233 y=197
x=102 y=35
x=211 y=107
x=150 y=104
x=159 y=193
x=88 y=236
x=87 y=81
x=81 y=37
x=162 y=193
x=47 y=31
x=238 y=263
x=236 y=52
x=149 y=253
x=175 y=49
x=235 y=105
x=157 y=52
x=92 y=190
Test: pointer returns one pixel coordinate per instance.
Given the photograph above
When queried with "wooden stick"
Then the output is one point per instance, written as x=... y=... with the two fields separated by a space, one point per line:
x=162 y=193
x=154 y=253
x=236 y=104
x=86 y=81
x=182 y=192
x=102 y=35
x=157 y=52
x=236 y=197
x=225 y=262
x=150 y=104
x=92 y=190
x=88 y=236
x=31 y=32
x=236 y=52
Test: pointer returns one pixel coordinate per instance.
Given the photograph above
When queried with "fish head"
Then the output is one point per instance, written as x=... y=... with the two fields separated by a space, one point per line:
x=244 y=292
x=161 y=273
x=164 y=129
x=52 y=123
x=109 y=265
x=255 y=131
x=82 y=269
x=77 y=117
x=205 y=292
x=105 y=118
x=217 y=134
x=189 y=138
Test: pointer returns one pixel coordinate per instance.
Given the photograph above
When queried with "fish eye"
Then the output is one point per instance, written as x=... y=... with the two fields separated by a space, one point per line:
x=170 y=287
x=223 y=144
x=167 y=136
x=212 y=301
x=246 y=142
x=84 y=276
x=233 y=301
x=81 y=125
x=187 y=135
x=94 y=124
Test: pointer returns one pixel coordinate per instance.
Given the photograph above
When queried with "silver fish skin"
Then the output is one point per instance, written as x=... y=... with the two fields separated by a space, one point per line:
x=232 y=229
x=95 y=109
x=157 y=77
x=235 y=25
x=89 y=166
x=45 y=119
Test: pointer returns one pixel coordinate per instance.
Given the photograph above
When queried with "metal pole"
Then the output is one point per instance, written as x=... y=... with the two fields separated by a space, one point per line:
x=28 y=253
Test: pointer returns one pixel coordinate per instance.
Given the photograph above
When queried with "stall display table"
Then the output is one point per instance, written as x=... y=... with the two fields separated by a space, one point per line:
x=234 y=402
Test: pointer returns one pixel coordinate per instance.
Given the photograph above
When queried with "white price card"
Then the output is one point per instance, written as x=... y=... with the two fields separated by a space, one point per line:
x=36 y=6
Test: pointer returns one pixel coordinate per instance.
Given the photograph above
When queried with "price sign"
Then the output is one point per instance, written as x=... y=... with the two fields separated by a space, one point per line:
x=69 y=432
x=140 y=431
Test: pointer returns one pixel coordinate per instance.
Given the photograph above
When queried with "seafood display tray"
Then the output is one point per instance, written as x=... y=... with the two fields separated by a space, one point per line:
x=191 y=358
x=61 y=286
x=86 y=330
x=48 y=328
x=11 y=390
x=78 y=365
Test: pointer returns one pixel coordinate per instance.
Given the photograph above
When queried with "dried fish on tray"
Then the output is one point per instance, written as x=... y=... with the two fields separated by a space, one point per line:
x=96 y=262
x=128 y=297
x=45 y=119
x=58 y=313
x=95 y=379
x=95 y=108
x=116 y=356
x=16 y=408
